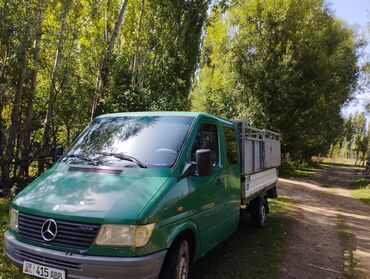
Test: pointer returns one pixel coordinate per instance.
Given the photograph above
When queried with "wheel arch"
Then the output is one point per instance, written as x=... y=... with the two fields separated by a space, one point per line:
x=188 y=231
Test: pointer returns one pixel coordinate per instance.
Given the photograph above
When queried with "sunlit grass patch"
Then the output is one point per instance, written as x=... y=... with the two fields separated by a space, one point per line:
x=298 y=170
x=351 y=267
x=360 y=189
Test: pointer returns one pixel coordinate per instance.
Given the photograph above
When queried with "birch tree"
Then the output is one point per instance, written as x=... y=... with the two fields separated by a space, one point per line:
x=26 y=142
x=103 y=68
x=16 y=104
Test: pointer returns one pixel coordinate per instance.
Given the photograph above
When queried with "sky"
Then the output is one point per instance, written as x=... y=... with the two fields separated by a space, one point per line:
x=357 y=13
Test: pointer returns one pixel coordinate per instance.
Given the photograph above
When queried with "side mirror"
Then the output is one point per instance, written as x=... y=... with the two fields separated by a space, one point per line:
x=204 y=162
x=58 y=152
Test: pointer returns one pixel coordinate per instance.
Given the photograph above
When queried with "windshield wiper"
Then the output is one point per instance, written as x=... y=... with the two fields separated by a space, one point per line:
x=125 y=157
x=80 y=156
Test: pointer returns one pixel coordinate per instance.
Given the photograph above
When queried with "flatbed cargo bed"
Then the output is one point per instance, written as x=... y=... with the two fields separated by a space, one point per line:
x=260 y=154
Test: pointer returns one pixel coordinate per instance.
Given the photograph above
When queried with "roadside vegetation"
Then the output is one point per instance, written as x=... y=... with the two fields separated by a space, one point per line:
x=350 y=263
x=360 y=189
x=7 y=270
x=250 y=252
x=339 y=161
x=276 y=63
x=343 y=165
x=353 y=144
x=298 y=169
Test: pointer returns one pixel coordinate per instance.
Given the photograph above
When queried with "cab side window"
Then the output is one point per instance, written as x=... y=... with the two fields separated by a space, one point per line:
x=206 y=138
x=231 y=147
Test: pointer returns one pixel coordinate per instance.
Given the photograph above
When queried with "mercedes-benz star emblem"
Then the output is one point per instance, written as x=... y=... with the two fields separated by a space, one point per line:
x=49 y=230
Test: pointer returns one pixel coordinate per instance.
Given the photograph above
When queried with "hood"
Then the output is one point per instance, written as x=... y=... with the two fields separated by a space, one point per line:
x=90 y=194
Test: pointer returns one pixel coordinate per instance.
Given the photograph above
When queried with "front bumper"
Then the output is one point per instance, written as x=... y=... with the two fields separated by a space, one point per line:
x=82 y=266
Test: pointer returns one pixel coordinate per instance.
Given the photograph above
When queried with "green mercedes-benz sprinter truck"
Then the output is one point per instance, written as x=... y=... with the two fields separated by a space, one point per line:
x=142 y=195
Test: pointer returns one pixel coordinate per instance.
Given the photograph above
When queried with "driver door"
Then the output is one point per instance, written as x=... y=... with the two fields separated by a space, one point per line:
x=206 y=191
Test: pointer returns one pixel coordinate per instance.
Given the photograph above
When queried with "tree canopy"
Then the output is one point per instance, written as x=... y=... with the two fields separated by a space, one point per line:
x=286 y=65
x=63 y=62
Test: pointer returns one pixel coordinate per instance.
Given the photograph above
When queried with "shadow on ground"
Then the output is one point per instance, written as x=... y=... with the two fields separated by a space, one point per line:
x=250 y=252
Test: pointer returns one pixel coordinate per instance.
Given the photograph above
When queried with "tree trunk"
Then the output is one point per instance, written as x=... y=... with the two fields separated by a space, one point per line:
x=51 y=100
x=106 y=26
x=103 y=67
x=363 y=158
x=3 y=162
x=18 y=159
x=29 y=109
x=135 y=77
x=14 y=118
x=2 y=128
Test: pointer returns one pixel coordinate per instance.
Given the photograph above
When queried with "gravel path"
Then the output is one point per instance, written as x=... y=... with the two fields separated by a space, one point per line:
x=330 y=233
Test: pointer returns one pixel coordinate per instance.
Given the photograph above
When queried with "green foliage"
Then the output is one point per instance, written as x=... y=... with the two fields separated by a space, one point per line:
x=353 y=140
x=7 y=270
x=156 y=63
x=284 y=65
x=50 y=61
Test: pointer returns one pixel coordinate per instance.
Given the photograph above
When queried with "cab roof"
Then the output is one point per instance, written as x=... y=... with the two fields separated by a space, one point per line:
x=168 y=113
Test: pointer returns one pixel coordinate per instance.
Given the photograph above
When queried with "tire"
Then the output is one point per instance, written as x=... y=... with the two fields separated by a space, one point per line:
x=177 y=261
x=259 y=210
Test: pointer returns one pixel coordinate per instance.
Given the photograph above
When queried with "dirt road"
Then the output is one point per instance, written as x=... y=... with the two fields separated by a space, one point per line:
x=330 y=233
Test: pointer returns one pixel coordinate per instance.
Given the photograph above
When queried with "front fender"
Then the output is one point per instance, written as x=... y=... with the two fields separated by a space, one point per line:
x=163 y=210
x=179 y=228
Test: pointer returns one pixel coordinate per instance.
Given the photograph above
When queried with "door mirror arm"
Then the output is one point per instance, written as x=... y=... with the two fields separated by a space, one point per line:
x=189 y=169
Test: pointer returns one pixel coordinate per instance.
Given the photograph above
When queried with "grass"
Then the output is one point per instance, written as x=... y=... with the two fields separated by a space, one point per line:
x=298 y=170
x=358 y=167
x=250 y=252
x=7 y=270
x=360 y=189
x=351 y=269
x=339 y=162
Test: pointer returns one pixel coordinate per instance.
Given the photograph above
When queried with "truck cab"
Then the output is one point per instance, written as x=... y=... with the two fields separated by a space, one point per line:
x=137 y=195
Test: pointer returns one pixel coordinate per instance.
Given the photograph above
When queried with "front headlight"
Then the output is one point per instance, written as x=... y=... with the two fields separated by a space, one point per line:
x=13 y=219
x=124 y=235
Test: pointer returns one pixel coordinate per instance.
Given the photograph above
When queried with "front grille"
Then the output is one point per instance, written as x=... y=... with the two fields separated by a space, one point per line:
x=70 y=234
x=39 y=259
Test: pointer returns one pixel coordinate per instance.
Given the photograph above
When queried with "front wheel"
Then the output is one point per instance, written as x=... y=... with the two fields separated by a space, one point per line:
x=176 y=264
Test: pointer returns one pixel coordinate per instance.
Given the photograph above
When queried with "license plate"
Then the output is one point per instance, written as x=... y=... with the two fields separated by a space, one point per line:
x=42 y=271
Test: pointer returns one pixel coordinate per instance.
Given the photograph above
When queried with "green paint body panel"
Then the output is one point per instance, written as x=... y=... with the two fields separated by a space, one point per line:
x=144 y=195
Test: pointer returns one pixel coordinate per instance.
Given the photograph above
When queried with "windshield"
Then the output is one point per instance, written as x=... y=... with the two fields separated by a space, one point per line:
x=143 y=141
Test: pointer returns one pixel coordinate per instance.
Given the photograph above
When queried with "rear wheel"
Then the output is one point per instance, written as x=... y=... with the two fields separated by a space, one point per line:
x=176 y=264
x=259 y=210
